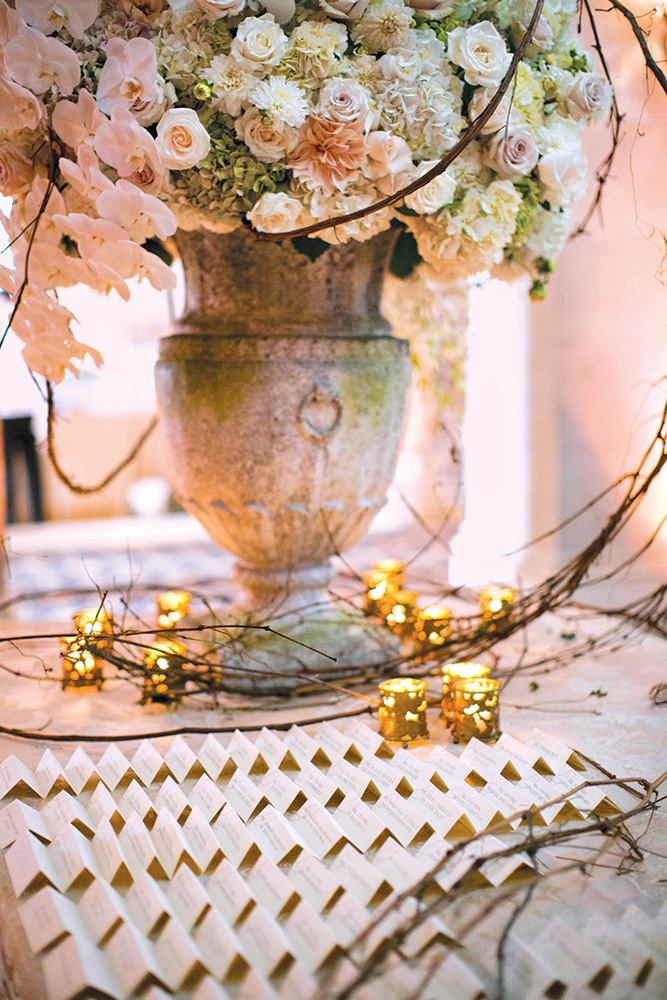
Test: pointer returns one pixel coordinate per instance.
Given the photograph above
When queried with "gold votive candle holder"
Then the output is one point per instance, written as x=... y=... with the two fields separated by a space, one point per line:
x=95 y=626
x=400 y=612
x=402 y=713
x=172 y=606
x=164 y=677
x=382 y=580
x=476 y=710
x=80 y=667
x=496 y=603
x=453 y=672
x=432 y=628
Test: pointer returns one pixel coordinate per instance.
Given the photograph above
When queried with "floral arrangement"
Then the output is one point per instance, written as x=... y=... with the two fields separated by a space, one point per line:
x=121 y=121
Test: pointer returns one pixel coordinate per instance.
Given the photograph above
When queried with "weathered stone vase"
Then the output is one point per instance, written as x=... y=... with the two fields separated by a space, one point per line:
x=282 y=394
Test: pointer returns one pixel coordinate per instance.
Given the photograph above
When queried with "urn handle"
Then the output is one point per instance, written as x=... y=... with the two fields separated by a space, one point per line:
x=320 y=411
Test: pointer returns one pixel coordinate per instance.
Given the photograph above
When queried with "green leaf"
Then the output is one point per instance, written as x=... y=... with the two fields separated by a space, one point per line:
x=311 y=247
x=405 y=257
x=534 y=685
x=598 y=694
x=159 y=249
x=568 y=635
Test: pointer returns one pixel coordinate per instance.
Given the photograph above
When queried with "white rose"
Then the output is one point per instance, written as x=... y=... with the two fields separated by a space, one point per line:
x=565 y=176
x=343 y=101
x=182 y=140
x=263 y=139
x=214 y=9
x=344 y=10
x=389 y=154
x=512 y=154
x=481 y=52
x=438 y=192
x=275 y=213
x=259 y=43
x=503 y=114
x=437 y=9
x=588 y=97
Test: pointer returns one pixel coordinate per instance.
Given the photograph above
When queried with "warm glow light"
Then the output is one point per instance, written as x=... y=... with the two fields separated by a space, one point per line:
x=172 y=605
x=496 y=602
x=453 y=672
x=164 y=679
x=476 y=710
x=97 y=627
x=402 y=713
x=80 y=667
x=433 y=627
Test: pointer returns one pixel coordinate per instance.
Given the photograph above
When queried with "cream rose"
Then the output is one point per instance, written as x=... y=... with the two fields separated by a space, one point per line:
x=213 y=9
x=275 y=213
x=503 y=115
x=481 y=52
x=588 y=97
x=437 y=9
x=344 y=10
x=263 y=139
x=565 y=176
x=389 y=154
x=182 y=140
x=512 y=153
x=259 y=43
x=438 y=192
x=343 y=101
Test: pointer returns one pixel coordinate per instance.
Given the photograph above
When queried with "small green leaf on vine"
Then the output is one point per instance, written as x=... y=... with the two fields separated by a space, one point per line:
x=534 y=685
x=569 y=636
x=598 y=694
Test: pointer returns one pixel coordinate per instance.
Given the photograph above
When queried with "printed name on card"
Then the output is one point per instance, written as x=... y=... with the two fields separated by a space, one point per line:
x=229 y=893
x=170 y=844
x=384 y=775
x=79 y=770
x=244 y=795
x=73 y=859
x=540 y=792
x=131 y=958
x=17 y=816
x=64 y=809
x=487 y=762
x=316 y=829
x=271 y=888
x=359 y=877
x=318 y=785
x=447 y=818
x=367 y=740
x=448 y=766
x=275 y=836
x=101 y=909
x=46 y=917
x=246 y=755
x=359 y=823
x=187 y=897
x=103 y=804
x=275 y=752
x=135 y=799
x=478 y=811
x=17 y=779
x=401 y=819
x=264 y=943
x=523 y=757
x=555 y=753
x=335 y=743
x=30 y=864
x=305 y=749
x=178 y=959
x=215 y=760
x=347 y=919
x=113 y=766
x=310 y=938
x=202 y=844
x=146 y=762
x=282 y=792
x=400 y=868
x=314 y=882
x=497 y=870
x=180 y=759
x=138 y=848
x=417 y=771
x=109 y=855
x=207 y=797
x=49 y=774
x=172 y=797
x=220 y=949
x=75 y=966
x=236 y=843
x=508 y=799
x=353 y=781
x=147 y=904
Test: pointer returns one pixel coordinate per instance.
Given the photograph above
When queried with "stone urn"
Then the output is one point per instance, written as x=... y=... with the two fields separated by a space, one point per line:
x=282 y=394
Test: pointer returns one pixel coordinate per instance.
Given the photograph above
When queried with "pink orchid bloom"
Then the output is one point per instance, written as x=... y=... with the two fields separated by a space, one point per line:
x=39 y=63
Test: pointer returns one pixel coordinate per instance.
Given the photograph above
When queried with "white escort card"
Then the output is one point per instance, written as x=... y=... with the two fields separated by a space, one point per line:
x=49 y=774
x=79 y=770
x=207 y=797
x=540 y=792
x=65 y=809
x=359 y=823
x=75 y=966
x=274 y=751
x=73 y=859
x=624 y=952
x=283 y=793
x=351 y=780
x=488 y=761
x=270 y=887
x=524 y=758
x=202 y=843
x=109 y=855
x=508 y=799
x=555 y=753
x=220 y=949
x=575 y=961
x=236 y=843
x=138 y=848
x=172 y=797
x=335 y=743
x=214 y=759
x=417 y=771
x=310 y=938
x=367 y=740
x=384 y=775
x=478 y=811
x=264 y=943
x=447 y=818
x=316 y=829
x=135 y=799
x=147 y=904
x=401 y=869
x=359 y=877
x=46 y=917
x=101 y=909
x=314 y=882
x=244 y=795
x=132 y=960
x=405 y=823
x=275 y=836
x=29 y=864
x=318 y=785
x=113 y=766
x=103 y=804
x=177 y=957
x=180 y=759
x=17 y=816
x=170 y=844
x=146 y=762
x=246 y=755
x=229 y=893
x=448 y=766
x=305 y=749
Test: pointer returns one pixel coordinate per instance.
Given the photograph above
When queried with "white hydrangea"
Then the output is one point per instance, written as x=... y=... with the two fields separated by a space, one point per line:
x=384 y=25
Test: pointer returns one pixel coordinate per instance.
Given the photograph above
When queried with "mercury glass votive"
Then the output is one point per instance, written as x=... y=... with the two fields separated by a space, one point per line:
x=402 y=713
x=453 y=672
x=432 y=628
x=382 y=581
x=96 y=627
x=496 y=603
x=164 y=678
x=476 y=710
x=172 y=606
x=400 y=612
x=81 y=668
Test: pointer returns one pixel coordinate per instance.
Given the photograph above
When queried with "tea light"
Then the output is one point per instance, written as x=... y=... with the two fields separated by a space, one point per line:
x=476 y=710
x=433 y=627
x=402 y=712
x=382 y=580
x=400 y=612
x=172 y=605
x=95 y=626
x=165 y=677
x=496 y=602
x=451 y=673
x=81 y=668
